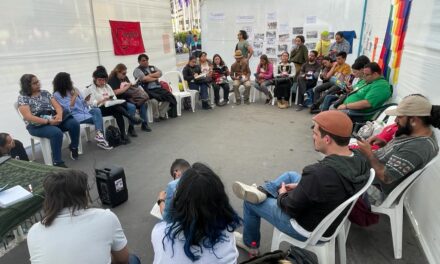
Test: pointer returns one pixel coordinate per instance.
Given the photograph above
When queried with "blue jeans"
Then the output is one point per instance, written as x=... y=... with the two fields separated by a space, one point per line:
x=131 y=109
x=202 y=88
x=133 y=259
x=269 y=210
x=328 y=101
x=96 y=119
x=55 y=135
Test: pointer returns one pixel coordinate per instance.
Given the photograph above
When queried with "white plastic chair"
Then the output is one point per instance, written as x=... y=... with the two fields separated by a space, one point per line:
x=44 y=143
x=271 y=89
x=393 y=207
x=325 y=251
x=172 y=78
x=108 y=120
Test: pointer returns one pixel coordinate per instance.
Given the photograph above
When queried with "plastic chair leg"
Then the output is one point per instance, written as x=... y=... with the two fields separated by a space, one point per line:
x=275 y=239
x=46 y=150
x=179 y=106
x=326 y=253
x=396 y=221
x=33 y=149
x=193 y=102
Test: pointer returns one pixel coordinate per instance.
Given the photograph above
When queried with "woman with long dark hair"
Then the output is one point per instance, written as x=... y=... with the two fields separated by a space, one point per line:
x=100 y=92
x=264 y=77
x=71 y=100
x=44 y=117
x=202 y=222
x=220 y=74
x=120 y=84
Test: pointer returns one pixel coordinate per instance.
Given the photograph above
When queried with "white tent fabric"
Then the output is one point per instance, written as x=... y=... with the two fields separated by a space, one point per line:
x=49 y=36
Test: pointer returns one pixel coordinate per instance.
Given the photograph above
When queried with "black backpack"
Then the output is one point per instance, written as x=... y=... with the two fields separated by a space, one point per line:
x=113 y=136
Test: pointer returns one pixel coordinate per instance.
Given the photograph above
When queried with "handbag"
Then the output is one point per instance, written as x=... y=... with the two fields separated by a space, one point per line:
x=268 y=258
x=136 y=96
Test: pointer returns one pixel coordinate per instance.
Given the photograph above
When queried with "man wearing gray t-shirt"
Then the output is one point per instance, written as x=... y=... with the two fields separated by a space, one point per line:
x=412 y=148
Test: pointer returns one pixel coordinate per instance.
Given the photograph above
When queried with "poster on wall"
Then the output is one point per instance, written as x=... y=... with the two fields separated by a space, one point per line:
x=259 y=37
x=271 y=16
x=271 y=51
x=284 y=38
x=282 y=48
x=297 y=31
x=311 y=19
x=250 y=32
x=283 y=28
x=220 y=16
x=272 y=25
x=127 y=37
x=310 y=45
x=331 y=35
x=271 y=37
x=244 y=19
x=312 y=34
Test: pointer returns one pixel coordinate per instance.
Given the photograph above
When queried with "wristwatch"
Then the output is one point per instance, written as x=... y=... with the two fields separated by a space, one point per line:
x=160 y=201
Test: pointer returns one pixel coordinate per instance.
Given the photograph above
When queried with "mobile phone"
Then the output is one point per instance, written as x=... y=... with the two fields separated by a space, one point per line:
x=111 y=97
x=356 y=136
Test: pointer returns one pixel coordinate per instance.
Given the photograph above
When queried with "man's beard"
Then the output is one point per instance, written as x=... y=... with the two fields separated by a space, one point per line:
x=405 y=130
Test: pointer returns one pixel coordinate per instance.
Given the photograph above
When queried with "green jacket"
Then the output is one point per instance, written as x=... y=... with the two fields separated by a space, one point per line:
x=299 y=55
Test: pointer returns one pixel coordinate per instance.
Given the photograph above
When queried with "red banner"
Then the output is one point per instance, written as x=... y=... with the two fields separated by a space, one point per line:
x=127 y=38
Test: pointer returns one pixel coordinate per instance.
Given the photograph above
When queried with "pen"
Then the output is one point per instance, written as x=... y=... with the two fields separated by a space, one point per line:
x=30 y=187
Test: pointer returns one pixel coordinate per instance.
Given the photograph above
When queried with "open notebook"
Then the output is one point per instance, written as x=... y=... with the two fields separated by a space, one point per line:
x=13 y=195
x=155 y=211
x=114 y=102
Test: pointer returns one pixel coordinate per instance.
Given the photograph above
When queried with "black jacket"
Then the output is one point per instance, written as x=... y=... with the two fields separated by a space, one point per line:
x=323 y=187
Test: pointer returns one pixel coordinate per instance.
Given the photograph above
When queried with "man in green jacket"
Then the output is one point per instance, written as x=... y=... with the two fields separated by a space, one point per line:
x=372 y=95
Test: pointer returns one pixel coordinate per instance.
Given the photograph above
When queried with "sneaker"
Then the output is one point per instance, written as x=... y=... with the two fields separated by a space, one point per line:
x=74 y=154
x=299 y=108
x=136 y=120
x=247 y=102
x=163 y=118
x=279 y=104
x=238 y=102
x=145 y=128
x=99 y=137
x=248 y=193
x=60 y=165
x=131 y=131
x=104 y=145
x=240 y=243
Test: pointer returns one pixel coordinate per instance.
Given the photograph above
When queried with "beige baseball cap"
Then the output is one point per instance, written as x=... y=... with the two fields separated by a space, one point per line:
x=412 y=105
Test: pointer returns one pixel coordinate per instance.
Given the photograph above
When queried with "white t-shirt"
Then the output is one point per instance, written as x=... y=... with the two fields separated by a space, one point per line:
x=87 y=237
x=224 y=252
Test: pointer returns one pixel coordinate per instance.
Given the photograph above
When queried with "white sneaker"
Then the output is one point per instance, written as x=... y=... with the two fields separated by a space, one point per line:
x=104 y=145
x=240 y=243
x=100 y=137
x=248 y=193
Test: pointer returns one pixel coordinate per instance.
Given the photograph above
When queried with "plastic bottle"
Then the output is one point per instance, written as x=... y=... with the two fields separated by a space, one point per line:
x=253 y=251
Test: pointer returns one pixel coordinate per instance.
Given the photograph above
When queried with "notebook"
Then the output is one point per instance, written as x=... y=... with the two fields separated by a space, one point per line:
x=114 y=102
x=155 y=211
x=13 y=195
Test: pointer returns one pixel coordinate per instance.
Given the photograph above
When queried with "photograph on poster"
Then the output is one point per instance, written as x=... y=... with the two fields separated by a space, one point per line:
x=271 y=34
x=282 y=48
x=270 y=51
x=331 y=35
x=271 y=25
x=297 y=31
x=310 y=45
x=271 y=41
x=311 y=34
x=258 y=53
x=283 y=38
x=257 y=45
x=259 y=37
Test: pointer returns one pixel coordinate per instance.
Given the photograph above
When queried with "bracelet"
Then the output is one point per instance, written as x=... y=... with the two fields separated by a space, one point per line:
x=160 y=201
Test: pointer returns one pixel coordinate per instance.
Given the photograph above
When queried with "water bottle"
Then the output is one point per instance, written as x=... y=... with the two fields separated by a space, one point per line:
x=253 y=251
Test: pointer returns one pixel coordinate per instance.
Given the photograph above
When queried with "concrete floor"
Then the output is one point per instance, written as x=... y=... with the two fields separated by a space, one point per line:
x=250 y=143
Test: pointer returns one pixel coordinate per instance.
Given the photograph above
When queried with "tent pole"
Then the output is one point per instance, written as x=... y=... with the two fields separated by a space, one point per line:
x=362 y=28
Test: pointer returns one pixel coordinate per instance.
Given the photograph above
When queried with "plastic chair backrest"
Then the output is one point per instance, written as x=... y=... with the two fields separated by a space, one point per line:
x=384 y=117
x=172 y=78
x=319 y=231
x=395 y=194
x=18 y=111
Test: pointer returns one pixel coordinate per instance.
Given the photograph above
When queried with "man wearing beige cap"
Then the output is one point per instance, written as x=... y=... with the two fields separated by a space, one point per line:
x=412 y=148
x=296 y=204
x=240 y=74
